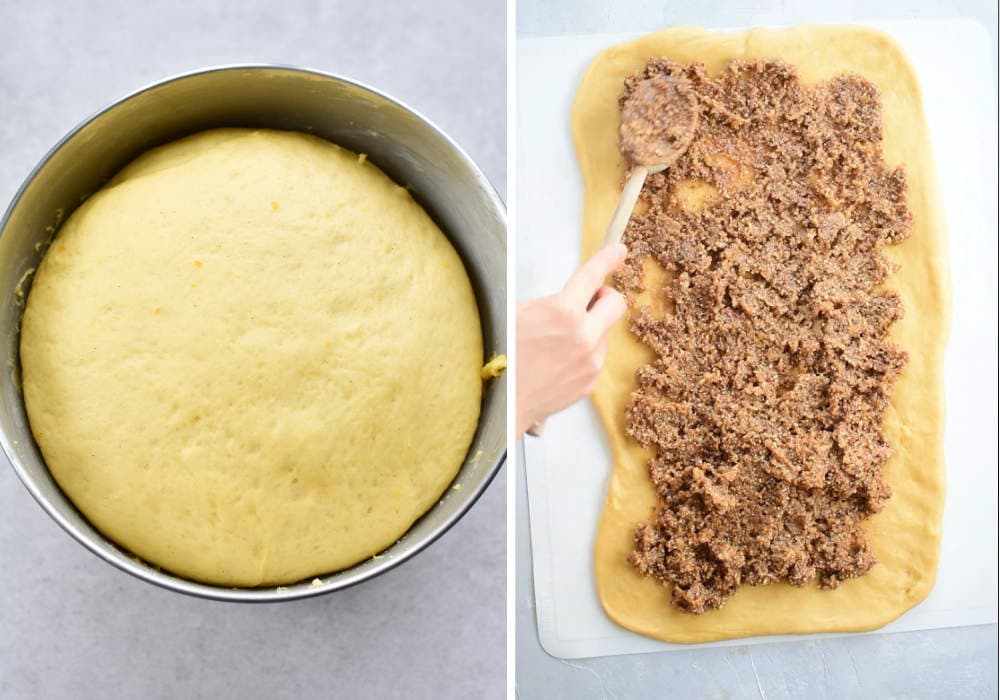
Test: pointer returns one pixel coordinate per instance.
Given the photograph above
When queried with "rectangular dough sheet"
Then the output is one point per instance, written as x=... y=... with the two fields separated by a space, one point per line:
x=906 y=534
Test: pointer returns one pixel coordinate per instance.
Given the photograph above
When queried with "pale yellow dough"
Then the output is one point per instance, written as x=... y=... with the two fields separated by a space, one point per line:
x=252 y=358
x=906 y=534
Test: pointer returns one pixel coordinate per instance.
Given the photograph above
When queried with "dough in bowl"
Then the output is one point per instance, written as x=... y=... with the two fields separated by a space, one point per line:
x=252 y=358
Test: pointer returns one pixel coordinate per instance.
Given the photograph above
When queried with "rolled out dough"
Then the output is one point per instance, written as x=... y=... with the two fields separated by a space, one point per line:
x=252 y=358
x=906 y=534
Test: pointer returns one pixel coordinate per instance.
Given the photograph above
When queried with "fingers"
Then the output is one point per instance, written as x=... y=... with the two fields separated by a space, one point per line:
x=609 y=306
x=603 y=291
x=585 y=282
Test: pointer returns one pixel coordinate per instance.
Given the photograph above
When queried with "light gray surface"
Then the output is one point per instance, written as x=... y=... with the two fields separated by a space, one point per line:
x=953 y=663
x=72 y=626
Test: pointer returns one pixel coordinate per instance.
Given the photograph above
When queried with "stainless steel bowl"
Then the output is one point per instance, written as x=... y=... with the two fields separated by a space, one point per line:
x=408 y=147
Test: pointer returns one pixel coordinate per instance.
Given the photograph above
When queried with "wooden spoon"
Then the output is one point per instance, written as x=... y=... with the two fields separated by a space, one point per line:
x=658 y=123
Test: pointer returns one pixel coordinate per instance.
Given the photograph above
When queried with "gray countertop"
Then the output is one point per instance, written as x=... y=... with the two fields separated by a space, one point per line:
x=71 y=625
x=944 y=663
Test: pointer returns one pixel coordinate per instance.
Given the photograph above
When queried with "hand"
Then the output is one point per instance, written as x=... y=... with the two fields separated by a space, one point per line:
x=561 y=339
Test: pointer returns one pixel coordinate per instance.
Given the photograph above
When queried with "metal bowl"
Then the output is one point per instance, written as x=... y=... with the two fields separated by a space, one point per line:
x=408 y=147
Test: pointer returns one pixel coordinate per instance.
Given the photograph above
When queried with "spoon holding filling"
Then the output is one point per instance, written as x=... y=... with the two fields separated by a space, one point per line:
x=658 y=123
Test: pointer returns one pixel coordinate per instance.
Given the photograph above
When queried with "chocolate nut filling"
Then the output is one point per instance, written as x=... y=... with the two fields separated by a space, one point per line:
x=773 y=367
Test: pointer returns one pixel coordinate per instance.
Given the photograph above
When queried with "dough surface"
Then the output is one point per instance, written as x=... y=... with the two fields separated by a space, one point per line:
x=906 y=534
x=252 y=358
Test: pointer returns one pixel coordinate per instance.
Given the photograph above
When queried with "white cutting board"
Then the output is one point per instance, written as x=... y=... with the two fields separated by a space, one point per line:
x=567 y=468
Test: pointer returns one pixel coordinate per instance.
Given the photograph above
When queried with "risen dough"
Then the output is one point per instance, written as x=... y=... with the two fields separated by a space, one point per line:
x=252 y=358
x=906 y=534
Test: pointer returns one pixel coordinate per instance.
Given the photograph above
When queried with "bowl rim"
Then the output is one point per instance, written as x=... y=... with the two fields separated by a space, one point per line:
x=179 y=584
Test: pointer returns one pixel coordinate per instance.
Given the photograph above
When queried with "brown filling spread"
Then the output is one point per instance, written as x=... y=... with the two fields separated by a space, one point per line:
x=769 y=325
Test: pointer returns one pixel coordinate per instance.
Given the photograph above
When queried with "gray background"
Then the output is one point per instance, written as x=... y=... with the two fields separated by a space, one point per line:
x=72 y=626
x=952 y=663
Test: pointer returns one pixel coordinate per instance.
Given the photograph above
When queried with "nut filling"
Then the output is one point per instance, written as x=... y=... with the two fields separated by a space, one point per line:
x=773 y=367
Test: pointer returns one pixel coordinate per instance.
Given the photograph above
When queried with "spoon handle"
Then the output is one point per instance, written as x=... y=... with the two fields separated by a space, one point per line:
x=630 y=194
